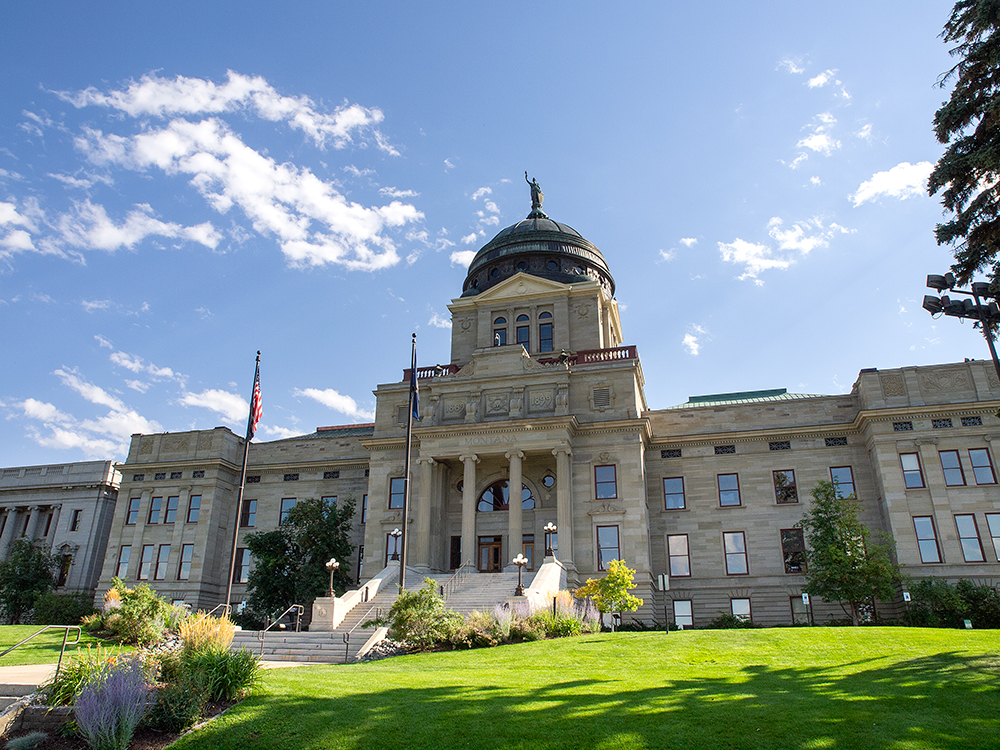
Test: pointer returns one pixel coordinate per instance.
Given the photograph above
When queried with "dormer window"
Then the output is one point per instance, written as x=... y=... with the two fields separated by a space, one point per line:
x=500 y=332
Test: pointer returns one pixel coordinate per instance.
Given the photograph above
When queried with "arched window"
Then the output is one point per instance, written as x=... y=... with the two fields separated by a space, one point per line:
x=496 y=497
x=500 y=332
x=521 y=332
x=545 y=332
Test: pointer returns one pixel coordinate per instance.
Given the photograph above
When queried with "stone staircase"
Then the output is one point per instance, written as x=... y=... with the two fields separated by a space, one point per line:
x=11 y=693
x=480 y=592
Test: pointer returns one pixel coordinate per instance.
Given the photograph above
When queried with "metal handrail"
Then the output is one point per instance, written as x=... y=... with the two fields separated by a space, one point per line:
x=299 y=611
x=228 y=610
x=453 y=583
x=65 y=629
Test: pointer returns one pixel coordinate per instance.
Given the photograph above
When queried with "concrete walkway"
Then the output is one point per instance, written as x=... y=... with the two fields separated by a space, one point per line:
x=36 y=674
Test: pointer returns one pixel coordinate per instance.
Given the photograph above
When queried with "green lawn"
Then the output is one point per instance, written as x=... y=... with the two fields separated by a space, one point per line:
x=867 y=688
x=41 y=650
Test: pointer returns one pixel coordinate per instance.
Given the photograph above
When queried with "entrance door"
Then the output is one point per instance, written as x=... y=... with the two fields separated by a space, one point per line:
x=489 y=554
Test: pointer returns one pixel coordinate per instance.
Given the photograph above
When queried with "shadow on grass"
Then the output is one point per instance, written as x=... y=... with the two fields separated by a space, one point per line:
x=945 y=700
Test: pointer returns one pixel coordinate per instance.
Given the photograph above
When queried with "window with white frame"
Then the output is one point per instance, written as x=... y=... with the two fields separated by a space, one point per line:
x=740 y=609
x=683 y=616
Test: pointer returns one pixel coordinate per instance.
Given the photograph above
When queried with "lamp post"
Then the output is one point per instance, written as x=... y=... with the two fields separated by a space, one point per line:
x=549 y=529
x=987 y=315
x=520 y=561
x=332 y=565
x=395 y=534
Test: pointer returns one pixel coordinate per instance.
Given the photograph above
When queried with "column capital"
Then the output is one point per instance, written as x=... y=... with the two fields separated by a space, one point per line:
x=562 y=449
x=469 y=457
x=513 y=454
x=34 y=508
x=428 y=461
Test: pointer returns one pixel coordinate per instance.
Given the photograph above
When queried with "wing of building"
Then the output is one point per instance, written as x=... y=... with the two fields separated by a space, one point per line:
x=544 y=396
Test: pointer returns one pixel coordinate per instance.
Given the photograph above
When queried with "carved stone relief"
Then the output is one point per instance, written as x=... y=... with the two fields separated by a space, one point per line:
x=176 y=443
x=992 y=380
x=205 y=441
x=583 y=309
x=516 y=402
x=892 y=385
x=955 y=380
x=497 y=403
x=452 y=409
x=146 y=446
x=465 y=324
x=541 y=400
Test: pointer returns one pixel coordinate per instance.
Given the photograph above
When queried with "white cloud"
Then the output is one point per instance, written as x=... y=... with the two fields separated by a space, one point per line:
x=469 y=238
x=92 y=393
x=667 y=255
x=438 y=322
x=793 y=242
x=88 y=226
x=803 y=236
x=97 y=304
x=160 y=97
x=691 y=342
x=281 y=433
x=481 y=192
x=903 y=181
x=103 y=342
x=128 y=361
x=791 y=66
x=312 y=221
x=822 y=79
x=689 y=241
x=816 y=181
x=462 y=257
x=15 y=230
x=394 y=193
x=798 y=160
x=822 y=143
x=231 y=406
x=137 y=385
x=753 y=257
x=336 y=401
x=448 y=164
x=865 y=133
x=44 y=411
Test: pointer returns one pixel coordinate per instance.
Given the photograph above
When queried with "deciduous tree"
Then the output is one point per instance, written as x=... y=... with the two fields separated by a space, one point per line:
x=611 y=593
x=26 y=574
x=845 y=564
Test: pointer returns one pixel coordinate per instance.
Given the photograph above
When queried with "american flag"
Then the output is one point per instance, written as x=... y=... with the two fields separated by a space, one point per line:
x=255 y=407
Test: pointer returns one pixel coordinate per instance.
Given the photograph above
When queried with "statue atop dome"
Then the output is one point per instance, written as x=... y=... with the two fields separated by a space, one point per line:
x=537 y=196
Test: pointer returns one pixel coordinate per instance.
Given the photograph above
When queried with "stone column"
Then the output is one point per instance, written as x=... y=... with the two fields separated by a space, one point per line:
x=419 y=553
x=564 y=510
x=33 y=523
x=53 y=527
x=515 y=525
x=13 y=520
x=469 y=509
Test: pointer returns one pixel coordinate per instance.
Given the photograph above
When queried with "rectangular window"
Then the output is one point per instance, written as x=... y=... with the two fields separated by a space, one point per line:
x=123 y=557
x=982 y=467
x=607 y=546
x=146 y=562
x=500 y=336
x=793 y=550
x=605 y=482
x=392 y=545
x=249 y=518
x=287 y=503
x=364 y=509
x=361 y=559
x=736 y=553
x=683 y=617
x=545 y=337
x=729 y=490
x=968 y=535
x=74 y=524
x=913 y=477
x=740 y=609
x=800 y=610
x=171 y=515
x=784 y=486
x=843 y=479
x=528 y=550
x=194 y=508
x=330 y=500
x=397 y=487
x=162 y=557
x=679 y=556
x=154 y=510
x=241 y=574
x=133 y=511
x=65 y=562
x=48 y=525
x=184 y=571
x=673 y=493
x=952 y=466
x=993 y=524
x=926 y=539
x=522 y=336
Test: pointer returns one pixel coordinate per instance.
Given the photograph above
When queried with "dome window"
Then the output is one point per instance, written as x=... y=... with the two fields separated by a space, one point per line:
x=552 y=265
x=522 y=266
x=494 y=273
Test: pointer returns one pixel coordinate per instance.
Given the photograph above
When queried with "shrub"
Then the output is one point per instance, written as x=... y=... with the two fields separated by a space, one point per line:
x=419 y=619
x=176 y=615
x=179 y=703
x=726 y=621
x=62 y=609
x=110 y=708
x=528 y=629
x=480 y=631
x=203 y=633
x=139 y=616
x=25 y=574
x=503 y=615
x=82 y=669
x=982 y=603
x=936 y=603
x=228 y=675
x=27 y=742
x=92 y=623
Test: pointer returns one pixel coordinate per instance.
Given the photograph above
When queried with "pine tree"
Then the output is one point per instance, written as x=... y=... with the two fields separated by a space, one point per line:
x=968 y=174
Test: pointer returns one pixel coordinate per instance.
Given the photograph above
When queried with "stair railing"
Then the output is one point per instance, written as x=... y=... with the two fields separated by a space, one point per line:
x=65 y=629
x=227 y=609
x=455 y=582
x=299 y=611
x=364 y=618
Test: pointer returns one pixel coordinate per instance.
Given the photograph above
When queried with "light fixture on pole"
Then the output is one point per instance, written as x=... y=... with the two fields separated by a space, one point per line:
x=332 y=565
x=395 y=534
x=549 y=529
x=520 y=561
x=988 y=315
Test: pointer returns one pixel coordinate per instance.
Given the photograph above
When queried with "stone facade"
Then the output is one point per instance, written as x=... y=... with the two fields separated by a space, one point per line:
x=68 y=508
x=700 y=499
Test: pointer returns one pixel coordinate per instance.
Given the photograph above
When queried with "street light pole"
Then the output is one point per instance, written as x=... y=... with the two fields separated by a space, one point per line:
x=988 y=315
x=520 y=561
x=332 y=565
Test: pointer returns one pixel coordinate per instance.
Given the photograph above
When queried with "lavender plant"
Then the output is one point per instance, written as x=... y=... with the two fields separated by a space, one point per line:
x=110 y=708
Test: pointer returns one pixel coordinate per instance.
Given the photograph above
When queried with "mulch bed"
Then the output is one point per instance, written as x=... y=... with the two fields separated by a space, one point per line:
x=144 y=739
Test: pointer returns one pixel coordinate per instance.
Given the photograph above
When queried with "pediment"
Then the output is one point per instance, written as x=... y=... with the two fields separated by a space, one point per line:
x=524 y=285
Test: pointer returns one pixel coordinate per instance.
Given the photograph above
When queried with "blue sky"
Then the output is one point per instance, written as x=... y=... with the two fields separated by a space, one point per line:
x=186 y=183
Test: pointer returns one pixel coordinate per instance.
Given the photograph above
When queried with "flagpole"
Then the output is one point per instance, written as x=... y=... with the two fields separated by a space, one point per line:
x=410 y=408
x=251 y=428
